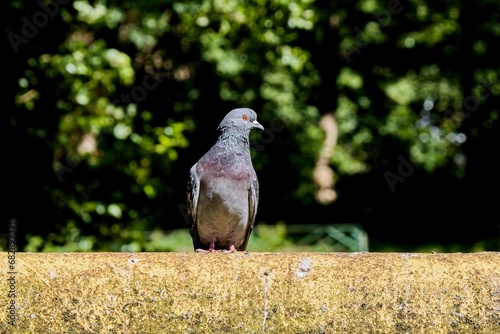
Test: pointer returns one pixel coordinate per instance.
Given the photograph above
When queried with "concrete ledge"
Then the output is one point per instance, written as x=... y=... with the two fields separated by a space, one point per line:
x=251 y=293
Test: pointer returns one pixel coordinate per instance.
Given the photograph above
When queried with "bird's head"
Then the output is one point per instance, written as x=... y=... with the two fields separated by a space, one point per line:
x=242 y=118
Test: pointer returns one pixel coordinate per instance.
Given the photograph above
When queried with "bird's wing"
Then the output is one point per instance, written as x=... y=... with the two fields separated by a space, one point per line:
x=193 y=192
x=253 y=200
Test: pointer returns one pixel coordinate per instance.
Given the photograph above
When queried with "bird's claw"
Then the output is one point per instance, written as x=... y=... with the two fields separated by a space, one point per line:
x=231 y=249
x=201 y=250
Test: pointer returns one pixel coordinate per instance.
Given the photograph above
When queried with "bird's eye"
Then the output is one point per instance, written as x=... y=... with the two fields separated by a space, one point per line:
x=245 y=117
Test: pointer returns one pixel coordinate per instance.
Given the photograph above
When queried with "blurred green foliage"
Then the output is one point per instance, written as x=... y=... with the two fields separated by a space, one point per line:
x=128 y=86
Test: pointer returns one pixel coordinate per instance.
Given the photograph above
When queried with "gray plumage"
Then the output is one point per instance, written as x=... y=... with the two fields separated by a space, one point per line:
x=223 y=190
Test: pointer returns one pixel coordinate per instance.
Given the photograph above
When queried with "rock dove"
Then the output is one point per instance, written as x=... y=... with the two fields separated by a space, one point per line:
x=223 y=190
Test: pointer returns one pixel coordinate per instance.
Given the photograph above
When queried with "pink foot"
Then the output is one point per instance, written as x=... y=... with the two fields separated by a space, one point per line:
x=231 y=248
x=211 y=249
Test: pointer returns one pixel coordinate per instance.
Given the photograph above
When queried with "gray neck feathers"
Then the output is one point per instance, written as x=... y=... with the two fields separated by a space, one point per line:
x=234 y=138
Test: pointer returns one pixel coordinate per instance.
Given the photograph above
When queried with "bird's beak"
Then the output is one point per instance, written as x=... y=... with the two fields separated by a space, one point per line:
x=257 y=125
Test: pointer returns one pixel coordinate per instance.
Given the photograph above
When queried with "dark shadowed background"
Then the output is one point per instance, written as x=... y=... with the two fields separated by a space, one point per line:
x=381 y=114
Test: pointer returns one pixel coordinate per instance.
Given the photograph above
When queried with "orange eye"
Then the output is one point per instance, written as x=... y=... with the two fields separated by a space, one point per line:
x=245 y=117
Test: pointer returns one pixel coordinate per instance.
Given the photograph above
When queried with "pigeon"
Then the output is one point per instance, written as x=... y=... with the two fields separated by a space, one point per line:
x=223 y=189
